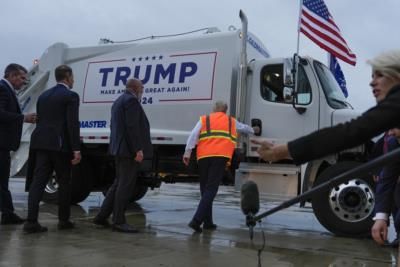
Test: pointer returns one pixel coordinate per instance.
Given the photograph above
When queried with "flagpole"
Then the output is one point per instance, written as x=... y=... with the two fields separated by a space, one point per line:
x=298 y=27
x=329 y=59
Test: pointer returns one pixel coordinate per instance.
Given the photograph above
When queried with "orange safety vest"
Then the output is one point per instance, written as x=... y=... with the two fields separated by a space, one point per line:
x=217 y=136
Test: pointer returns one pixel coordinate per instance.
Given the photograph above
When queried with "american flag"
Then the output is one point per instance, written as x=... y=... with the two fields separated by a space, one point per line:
x=317 y=24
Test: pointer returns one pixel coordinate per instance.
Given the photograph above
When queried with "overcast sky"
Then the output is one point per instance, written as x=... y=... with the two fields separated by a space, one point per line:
x=28 y=27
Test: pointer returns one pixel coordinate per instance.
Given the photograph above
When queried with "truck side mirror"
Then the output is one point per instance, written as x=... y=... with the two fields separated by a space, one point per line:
x=288 y=94
x=288 y=80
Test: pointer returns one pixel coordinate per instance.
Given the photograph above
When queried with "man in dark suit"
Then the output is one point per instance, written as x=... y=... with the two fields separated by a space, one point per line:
x=56 y=145
x=129 y=143
x=387 y=188
x=11 y=120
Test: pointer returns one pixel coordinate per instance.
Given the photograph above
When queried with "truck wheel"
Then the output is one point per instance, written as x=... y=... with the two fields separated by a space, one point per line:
x=51 y=191
x=347 y=209
x=81 y=184
x=229 y=177
x=229 y=174
x=138 y=193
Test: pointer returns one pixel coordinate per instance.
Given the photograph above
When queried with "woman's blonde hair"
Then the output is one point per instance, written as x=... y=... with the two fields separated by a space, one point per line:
x=388 y=63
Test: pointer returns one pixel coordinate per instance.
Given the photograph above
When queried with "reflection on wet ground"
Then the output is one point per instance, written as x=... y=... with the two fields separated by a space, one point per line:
x=293 y=236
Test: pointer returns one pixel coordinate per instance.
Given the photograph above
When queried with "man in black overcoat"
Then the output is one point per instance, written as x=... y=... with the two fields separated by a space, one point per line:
x=130 y=142
x=55 y=146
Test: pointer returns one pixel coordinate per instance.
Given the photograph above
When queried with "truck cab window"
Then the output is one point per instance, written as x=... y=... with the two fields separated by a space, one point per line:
x=272 y=88
x=272 y=83
x=332 y=91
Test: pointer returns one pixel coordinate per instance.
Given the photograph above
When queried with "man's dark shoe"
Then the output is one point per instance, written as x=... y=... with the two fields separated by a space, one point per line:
x=33 y=227
x=11 y=218
x=101 y=222
x=210 y=227
x=65 y=225
x=124 y=228
x=195 y=226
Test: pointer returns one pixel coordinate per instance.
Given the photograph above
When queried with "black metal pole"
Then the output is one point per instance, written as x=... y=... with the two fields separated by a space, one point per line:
x=344 y=177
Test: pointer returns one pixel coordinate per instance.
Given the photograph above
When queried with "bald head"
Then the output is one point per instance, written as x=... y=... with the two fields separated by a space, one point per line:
x=136 y=86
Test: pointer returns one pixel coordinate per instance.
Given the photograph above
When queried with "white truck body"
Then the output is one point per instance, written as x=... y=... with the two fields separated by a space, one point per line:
x=183 y=77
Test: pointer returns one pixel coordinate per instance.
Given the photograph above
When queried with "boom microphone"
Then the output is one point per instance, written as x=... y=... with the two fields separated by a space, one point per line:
x=250 y=204
x=250 y=200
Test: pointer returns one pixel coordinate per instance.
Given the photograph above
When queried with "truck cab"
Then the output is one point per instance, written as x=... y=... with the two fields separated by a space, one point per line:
x=286 y=110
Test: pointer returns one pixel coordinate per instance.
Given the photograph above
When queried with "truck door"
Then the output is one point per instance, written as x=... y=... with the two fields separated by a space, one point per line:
x=272 y=103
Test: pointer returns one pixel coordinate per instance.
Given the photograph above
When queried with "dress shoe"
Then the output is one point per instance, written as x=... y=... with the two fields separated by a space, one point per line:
x=211 y=226
x=101 y=222
x=33 y=227
x=124 y=228
x=65 y=225
x=195 y=226
x=11 y=218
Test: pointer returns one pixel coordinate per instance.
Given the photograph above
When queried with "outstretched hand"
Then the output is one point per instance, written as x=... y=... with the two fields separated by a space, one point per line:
x=265 y=150
x=269 y=151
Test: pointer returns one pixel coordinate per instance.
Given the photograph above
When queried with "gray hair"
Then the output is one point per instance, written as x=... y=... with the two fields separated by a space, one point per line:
x=388 y=63
x=220 y=106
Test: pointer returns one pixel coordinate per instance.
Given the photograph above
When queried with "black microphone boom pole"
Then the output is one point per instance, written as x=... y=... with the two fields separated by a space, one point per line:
x=342 y=178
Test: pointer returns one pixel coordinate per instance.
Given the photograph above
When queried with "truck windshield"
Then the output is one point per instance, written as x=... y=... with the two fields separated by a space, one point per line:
x=333 y=93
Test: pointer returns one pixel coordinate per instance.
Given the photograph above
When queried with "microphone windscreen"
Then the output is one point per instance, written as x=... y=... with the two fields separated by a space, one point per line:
x=249 y=198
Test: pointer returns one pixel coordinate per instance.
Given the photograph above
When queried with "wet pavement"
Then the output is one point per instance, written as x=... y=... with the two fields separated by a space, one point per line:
x=293 y=236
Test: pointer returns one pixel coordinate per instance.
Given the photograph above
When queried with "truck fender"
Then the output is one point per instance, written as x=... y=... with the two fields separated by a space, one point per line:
x=312 y=169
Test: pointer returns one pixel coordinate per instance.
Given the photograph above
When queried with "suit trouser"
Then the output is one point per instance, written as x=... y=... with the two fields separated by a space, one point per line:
x=211 y=171
x=396 y=209
x=121 y=190
x=6 y=205
x=46 y=162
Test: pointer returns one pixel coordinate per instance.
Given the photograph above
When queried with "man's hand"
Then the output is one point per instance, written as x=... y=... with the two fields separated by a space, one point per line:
x=186 y=160
x=77 y=158
x=256 y=130
x=265 y=150
x=139 y=156
x=30 y=118
x=186 y=157
x=271 y=152
x=379 y=231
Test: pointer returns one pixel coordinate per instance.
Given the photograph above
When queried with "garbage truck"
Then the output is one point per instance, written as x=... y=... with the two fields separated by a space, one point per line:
x=183 y=76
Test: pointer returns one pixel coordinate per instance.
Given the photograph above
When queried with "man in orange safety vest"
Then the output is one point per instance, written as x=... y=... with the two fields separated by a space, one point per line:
x=215 y=136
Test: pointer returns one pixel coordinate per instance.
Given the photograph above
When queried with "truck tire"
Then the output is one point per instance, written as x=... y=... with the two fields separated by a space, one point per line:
x=138 y=193
x=81 y=184
x=347 y=209
x=230 y=171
